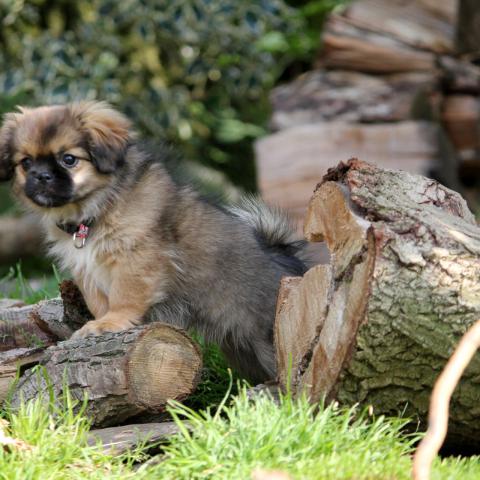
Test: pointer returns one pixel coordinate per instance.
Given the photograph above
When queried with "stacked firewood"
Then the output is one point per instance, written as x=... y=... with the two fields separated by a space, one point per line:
x=396 y=83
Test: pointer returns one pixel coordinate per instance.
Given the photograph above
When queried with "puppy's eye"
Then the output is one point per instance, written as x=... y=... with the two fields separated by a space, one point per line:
x=26 y=163
x=69 y=161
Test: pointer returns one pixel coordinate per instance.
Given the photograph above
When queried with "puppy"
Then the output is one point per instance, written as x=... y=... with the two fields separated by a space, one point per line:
x=140 y=247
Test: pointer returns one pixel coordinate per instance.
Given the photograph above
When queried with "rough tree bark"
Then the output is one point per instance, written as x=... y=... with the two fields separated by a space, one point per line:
x=121 y=374
x=402 y=287
x=44 y=323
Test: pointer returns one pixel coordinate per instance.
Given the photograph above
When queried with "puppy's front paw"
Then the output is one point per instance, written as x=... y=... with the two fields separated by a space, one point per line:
x=98 y=327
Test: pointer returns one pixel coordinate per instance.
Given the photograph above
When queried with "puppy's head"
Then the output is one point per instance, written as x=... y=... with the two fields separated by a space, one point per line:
x=60 y=155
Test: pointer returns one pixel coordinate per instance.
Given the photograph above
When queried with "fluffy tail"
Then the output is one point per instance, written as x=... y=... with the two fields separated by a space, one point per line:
x=272 y=225
x=277 y=231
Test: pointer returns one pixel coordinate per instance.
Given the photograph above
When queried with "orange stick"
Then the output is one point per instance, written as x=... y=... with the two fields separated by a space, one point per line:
x=440 y=402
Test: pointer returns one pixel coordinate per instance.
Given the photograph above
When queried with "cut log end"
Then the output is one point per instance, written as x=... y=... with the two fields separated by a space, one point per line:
x=163 y=364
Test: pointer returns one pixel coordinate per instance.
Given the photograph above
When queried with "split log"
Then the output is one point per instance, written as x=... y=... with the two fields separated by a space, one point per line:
x=401 y=289
x=10 y=303
x=322 y=95
x=26 y=330
x=120 y=374
x=26 y=326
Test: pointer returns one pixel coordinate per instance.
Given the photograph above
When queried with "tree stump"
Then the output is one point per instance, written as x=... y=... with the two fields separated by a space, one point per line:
x=120 y=374
x=378 y=323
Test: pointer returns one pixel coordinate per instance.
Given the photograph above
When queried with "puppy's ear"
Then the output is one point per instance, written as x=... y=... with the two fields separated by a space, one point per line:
x=108 y=133
x=6 y=135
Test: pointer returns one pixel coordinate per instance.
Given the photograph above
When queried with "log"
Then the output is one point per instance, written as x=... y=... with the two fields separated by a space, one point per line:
x=119 y=440
x=411 y=146
x=446 y=9
x=407 y=21
x=14 y=362
x=26 y=330
x=19 y=237
x=461 y=117
x=322 y=95
x=120 y=374
x=24 y=326
x=400 y=290
x=43 y=323
x=347 y=46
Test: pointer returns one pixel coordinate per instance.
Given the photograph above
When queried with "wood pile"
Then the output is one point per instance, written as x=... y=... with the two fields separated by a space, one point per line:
x=377 y=324
x=119 y=375
x=396 y=83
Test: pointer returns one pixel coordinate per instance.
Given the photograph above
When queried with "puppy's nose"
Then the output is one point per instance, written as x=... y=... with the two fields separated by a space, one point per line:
x=43 y=177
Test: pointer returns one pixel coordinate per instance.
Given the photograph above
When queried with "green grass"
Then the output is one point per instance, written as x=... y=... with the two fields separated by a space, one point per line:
x=241 y=436
x=17 y=286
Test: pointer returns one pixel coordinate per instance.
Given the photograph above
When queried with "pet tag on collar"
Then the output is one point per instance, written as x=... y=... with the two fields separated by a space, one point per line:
x=80 y=236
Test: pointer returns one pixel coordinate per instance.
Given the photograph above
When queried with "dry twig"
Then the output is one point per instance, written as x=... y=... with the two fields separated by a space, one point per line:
x=9 y=443
x=440 y=402
x=260 y=474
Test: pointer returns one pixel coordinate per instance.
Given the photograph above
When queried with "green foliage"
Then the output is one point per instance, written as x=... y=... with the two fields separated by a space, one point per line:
x=217 y=379
x=193 y=72
x=302 y=45
x=5 y=201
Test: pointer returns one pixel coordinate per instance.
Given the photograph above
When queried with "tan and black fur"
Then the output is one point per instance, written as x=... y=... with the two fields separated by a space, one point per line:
x=156 y=250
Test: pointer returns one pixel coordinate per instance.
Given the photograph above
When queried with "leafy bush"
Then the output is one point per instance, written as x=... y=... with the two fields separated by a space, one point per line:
x=193 y=72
